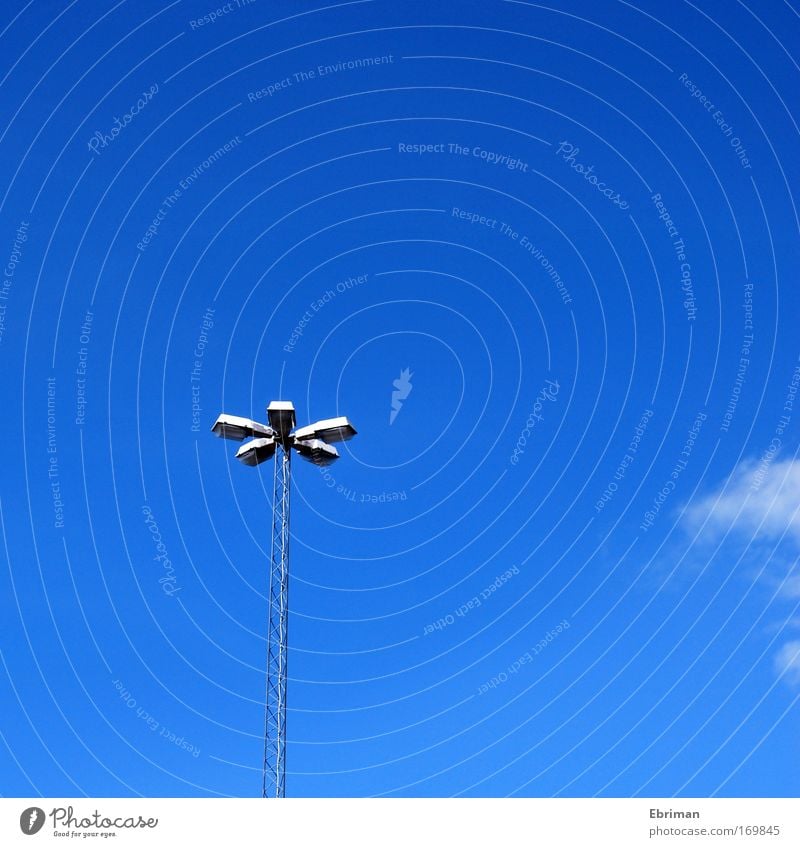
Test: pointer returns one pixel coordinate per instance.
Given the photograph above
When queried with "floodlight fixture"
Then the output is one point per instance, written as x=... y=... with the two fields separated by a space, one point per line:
x=281 y=417
x=256 y=451
x=237 y=429
x=317 y=451
x=314 y=444
x=330 y=430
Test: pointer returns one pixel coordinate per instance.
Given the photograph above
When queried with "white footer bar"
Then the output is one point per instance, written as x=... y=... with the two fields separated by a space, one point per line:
x=402 y=823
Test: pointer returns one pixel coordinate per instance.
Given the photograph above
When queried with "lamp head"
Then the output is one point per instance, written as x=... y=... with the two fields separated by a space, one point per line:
x=256 y=451
x=316 y=451
x=329 y=430
x=281 y=417
x=237 y=429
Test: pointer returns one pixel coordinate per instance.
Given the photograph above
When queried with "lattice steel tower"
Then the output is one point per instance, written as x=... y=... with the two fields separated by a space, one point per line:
x=277 y=440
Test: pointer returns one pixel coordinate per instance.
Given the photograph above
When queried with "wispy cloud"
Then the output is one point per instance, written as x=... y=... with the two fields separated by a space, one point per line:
x=791 y=588
x=761 y=503
x=787 y=661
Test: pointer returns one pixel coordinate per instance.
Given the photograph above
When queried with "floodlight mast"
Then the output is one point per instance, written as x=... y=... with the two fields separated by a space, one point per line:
x=277 y=439
x=274 y=773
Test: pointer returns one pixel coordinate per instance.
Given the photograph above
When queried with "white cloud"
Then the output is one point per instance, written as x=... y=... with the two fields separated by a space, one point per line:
x=760 y=500
x=787 y=661
x=791 y=588
x=759 y=505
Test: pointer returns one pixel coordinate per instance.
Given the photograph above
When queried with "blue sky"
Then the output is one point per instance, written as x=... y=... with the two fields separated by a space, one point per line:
x=567 y=565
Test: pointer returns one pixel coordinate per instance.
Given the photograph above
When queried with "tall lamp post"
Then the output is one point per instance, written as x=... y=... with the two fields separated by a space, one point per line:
x=315 y=444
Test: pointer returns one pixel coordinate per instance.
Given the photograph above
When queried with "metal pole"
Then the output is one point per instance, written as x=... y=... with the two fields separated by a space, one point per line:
x=274 y=779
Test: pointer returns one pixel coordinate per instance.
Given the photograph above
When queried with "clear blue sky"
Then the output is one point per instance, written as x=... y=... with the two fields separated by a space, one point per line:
x=567 y=565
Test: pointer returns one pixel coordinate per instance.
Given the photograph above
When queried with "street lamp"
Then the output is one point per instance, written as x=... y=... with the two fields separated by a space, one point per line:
x=277 y=439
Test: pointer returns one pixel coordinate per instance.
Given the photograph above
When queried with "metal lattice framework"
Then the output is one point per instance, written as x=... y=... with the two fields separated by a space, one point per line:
x=274 y=778
x=278 y=439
